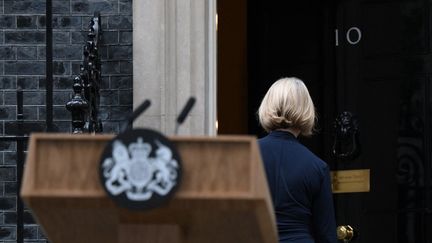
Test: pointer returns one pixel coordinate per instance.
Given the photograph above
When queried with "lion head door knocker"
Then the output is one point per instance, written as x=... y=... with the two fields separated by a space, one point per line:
x=346 y=136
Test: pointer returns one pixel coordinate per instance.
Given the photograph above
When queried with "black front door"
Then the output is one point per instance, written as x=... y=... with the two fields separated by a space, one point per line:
x=371 y=58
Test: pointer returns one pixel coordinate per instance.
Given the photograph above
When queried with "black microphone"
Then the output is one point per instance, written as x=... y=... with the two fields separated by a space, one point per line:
x=138 y=111
x=183 y=114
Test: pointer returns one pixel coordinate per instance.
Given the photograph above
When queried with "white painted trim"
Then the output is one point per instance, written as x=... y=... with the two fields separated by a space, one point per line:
x=174 y=57
x=211 y=67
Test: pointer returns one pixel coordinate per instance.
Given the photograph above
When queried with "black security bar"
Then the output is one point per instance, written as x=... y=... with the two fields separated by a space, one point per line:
x=20 y=166
x=49 y=67
x=20 y=139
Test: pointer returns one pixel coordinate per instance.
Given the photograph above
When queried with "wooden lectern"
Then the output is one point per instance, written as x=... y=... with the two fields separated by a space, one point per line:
x=223 y=197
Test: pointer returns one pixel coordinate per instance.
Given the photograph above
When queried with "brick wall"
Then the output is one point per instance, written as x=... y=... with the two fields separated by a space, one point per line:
x=22 y=63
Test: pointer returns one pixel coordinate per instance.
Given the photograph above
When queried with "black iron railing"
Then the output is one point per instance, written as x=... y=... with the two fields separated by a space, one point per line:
x=84 y=104
x=20 y=138
x=22 y=130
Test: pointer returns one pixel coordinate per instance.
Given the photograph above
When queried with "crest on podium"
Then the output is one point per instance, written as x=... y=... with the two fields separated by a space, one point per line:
x=140 y=169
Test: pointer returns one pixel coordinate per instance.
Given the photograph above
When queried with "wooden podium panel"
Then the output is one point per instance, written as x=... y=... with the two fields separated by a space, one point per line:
x=223 y=195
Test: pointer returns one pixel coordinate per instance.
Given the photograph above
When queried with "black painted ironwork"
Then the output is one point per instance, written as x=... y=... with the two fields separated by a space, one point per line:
x=49 y=66
x=346 y=142
x=414 y=163
x=78 y=106
x=21 y=135
x=20 y=139
x=84 y=104
x=20 y=166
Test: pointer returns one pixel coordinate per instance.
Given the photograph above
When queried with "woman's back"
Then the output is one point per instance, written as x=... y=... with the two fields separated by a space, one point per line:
x=299 y=183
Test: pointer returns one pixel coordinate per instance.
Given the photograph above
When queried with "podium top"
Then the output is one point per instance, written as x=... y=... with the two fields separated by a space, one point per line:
x=223 y=196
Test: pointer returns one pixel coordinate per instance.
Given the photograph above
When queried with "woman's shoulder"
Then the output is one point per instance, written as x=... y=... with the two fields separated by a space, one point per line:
x=313 y=158
x=313 y=163
x=292 y=148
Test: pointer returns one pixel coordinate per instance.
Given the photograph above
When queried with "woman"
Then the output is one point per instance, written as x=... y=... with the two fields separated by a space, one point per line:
x=299 y=181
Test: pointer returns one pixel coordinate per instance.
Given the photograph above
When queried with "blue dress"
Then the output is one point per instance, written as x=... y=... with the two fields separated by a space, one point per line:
x=300 y=187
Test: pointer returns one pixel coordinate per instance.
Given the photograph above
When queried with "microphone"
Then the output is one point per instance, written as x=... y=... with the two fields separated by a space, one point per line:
x=138 y=111
x=183 y=114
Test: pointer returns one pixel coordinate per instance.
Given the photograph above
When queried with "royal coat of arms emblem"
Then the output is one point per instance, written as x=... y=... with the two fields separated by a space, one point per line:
x=140 y=169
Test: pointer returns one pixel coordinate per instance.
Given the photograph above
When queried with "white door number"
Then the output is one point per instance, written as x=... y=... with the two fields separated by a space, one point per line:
x=353 y=36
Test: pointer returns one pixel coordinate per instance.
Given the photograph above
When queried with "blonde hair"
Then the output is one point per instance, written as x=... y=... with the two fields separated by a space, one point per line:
x=287 y=104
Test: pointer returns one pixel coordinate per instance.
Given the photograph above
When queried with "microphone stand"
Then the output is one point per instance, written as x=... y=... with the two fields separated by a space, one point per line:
x=186 y=109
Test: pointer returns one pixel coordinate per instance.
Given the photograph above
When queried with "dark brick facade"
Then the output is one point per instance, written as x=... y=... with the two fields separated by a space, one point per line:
x=22 y=64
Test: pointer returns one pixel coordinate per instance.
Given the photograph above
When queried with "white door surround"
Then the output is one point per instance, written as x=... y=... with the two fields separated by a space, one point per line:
x=174 y=57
